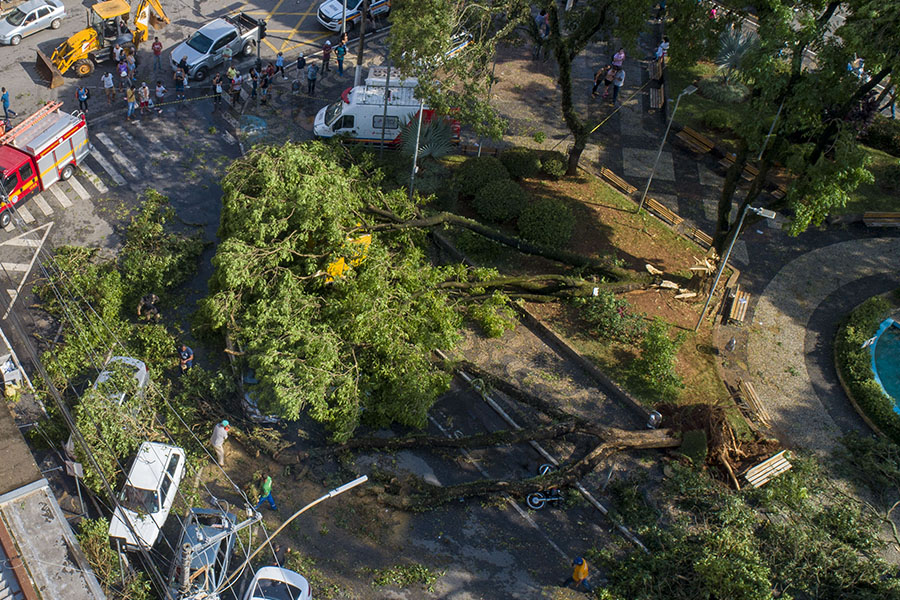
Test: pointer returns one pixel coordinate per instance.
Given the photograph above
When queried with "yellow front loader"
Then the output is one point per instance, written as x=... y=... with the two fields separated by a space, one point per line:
x=107 y=26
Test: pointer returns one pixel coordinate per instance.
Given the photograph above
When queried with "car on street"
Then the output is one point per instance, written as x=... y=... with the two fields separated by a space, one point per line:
x=31 y=17
x=210 y=535
x=330 y=12
x=123 y=376
x=147 y=497
x=204 y=49
x=275 y=583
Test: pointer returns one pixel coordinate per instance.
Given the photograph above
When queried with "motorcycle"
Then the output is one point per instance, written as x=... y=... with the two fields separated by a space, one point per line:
x=538 y=500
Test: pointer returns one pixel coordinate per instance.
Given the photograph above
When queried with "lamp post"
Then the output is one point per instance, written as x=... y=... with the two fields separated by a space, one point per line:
x=687 y=92
x=762 y=212
x=412 y=175
x=344 y=21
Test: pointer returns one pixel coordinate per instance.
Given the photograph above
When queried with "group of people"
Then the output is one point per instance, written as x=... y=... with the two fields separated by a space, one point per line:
x=612 y=74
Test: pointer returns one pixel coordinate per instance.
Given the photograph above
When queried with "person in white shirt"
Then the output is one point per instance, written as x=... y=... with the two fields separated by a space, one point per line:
x=109 y=86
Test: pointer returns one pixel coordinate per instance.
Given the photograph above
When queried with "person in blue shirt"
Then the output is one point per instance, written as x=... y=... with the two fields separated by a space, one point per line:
x=82 y=95
x=4 y=98
x=187 y=358
x=279 y=65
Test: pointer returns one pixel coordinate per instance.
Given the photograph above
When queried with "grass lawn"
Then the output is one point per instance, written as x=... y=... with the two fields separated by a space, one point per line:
x=884 y=193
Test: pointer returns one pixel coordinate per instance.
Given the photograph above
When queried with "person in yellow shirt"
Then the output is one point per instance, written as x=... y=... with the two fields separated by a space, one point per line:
x=579 y=575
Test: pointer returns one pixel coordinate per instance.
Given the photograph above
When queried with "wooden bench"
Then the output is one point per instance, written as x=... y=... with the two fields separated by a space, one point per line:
x=663 y=213
x=655 y=68
x=739 y=302
x=749 y=173
x=779 y=192
x=617 y=181
x=701 y=237
x=881 y=219
x=695 y=141
x=748 y=394
x=765 y=471
x=657 y=97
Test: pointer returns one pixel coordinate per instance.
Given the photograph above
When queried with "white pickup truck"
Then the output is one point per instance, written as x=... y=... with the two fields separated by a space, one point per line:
x=205 y=47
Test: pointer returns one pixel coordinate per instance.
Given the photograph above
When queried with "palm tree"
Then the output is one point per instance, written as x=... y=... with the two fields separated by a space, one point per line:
x=434 y=142
x=733 y=47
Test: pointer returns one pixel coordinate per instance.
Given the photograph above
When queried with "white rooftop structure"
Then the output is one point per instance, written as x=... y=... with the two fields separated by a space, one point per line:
x=401 y=89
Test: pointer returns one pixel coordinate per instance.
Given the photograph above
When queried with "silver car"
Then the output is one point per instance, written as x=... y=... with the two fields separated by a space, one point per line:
x=31 y=17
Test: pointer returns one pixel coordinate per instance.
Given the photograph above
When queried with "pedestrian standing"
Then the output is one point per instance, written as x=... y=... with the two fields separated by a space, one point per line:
x=146 y=308
x=266 y=81
x=131 y=99
x=301 y=63
x=542 y=23
x=231 y=73
x=599 y=78
x=236 y=85
x=267 y=494
x=326 y=56
x=109 y=86
x=579 y=575
x=217 y=440
x=186 y=358
x=82 y=95
x=279 y=64
x=183 y=65
x=157 y=54
x=618 y=58
x=270 y=70
x=339 y=54
x=608 y=79
x=144 y=97
x=312 y=71
x=663 y=48
x=254 y=81
x=4 y=99
x=227 y=56
x=132 y=66
x=160 y=95
x=179 y=84
x=122 y=69
x=618 y=80
x=117 y=53
x=217 y=91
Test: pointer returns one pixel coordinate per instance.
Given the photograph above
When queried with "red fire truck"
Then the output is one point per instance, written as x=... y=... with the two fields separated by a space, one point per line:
x=44 y=148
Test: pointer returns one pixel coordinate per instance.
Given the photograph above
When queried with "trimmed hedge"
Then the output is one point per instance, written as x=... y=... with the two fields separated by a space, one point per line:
x=717 y=118
x=500 y=201
x=478 y=171
x=522 y=163
x=554 y=164
x=547 y=221
x=855 y=365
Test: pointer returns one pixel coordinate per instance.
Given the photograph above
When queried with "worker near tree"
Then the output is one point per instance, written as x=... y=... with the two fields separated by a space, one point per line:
x=217 y=440
x=187 y=358
x=146 y=308
x=579 y=575
x=267 y=494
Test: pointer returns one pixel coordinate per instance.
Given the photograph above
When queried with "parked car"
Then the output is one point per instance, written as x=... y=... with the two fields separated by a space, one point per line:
x=330 y=12
x=31 y=17
x=275 y=583
x=148 y=496
x=115 y=381
x=205 y=46
x=210 y=534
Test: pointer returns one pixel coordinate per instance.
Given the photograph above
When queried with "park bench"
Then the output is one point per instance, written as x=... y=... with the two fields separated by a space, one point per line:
x=655 y=68
x=881 y=219
x=701 y=237
x=748 y=394
x=695 y=141
x=617 y=181
x=663 y=213
x=780 y=191
x=739 y=302
x=765 y=471
x=749 y=172
x=657 y=97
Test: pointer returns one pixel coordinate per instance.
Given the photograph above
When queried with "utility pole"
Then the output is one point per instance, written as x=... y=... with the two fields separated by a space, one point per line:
x=362 y=41
x=387 y=96
x=412 y=175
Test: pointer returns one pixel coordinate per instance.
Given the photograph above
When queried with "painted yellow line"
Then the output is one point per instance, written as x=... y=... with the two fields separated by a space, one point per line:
x=292 y=33
x=312 y=42
x=282 y=14
x=274 y=10
x=269 y=44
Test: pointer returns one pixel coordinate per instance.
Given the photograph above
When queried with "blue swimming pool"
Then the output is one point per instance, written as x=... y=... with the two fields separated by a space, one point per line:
x=886 y=359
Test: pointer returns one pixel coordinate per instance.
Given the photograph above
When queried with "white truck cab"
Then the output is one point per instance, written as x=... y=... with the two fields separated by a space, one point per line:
x=360 y=112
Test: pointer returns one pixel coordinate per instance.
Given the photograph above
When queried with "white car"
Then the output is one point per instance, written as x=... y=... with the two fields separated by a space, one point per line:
x=148 y=496
x=30 y=17
x=275 y=583
x=117 y=388
x=330 y=12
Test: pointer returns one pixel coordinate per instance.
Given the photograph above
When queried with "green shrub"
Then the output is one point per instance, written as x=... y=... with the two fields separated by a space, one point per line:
x=494 y=315
x=521 y=163
x=854 y=364
x=500 y=200
x=655 y=367
x=553 y=164
x=717 y=89
x=547 y=221
x=609 y=317
x=431 y=178
x=477 y=172
x=883 y=134
x=717 y=118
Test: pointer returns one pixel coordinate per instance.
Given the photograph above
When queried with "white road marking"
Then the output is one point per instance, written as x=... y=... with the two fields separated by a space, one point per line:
x=118 y=156
x=19 y=267
x=108 y=168
x=23 y=242
x=156 y=149
x=229 y=138
x=79 y=189
x=92 y=177
x=25 y=214
x=138 y=147
x=42 y=204
x=13 y=294
x=60 y=196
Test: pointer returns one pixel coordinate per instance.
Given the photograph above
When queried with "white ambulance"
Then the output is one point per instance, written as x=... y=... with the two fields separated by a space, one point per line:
x=359 y=114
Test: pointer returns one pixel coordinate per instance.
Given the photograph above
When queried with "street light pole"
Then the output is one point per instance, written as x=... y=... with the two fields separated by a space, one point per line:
x=687 y=92
x=344 y=21
x=412 y=175
x=768 y=214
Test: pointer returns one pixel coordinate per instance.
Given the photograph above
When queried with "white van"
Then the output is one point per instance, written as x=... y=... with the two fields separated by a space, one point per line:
x=359 y=113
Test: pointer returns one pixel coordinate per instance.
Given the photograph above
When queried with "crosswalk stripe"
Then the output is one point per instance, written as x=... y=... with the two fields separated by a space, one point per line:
x=108 y=168
x=42 y=204
x=136 y=146
x=155 y=144
x=63 y=200
x=19 y=267
x=24 y=242
x=79 y=189
x=25 y=214
x=92 y=177
x=118 y=156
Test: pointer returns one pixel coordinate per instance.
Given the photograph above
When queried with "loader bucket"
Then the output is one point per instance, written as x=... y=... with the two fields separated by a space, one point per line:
x=48 y=71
